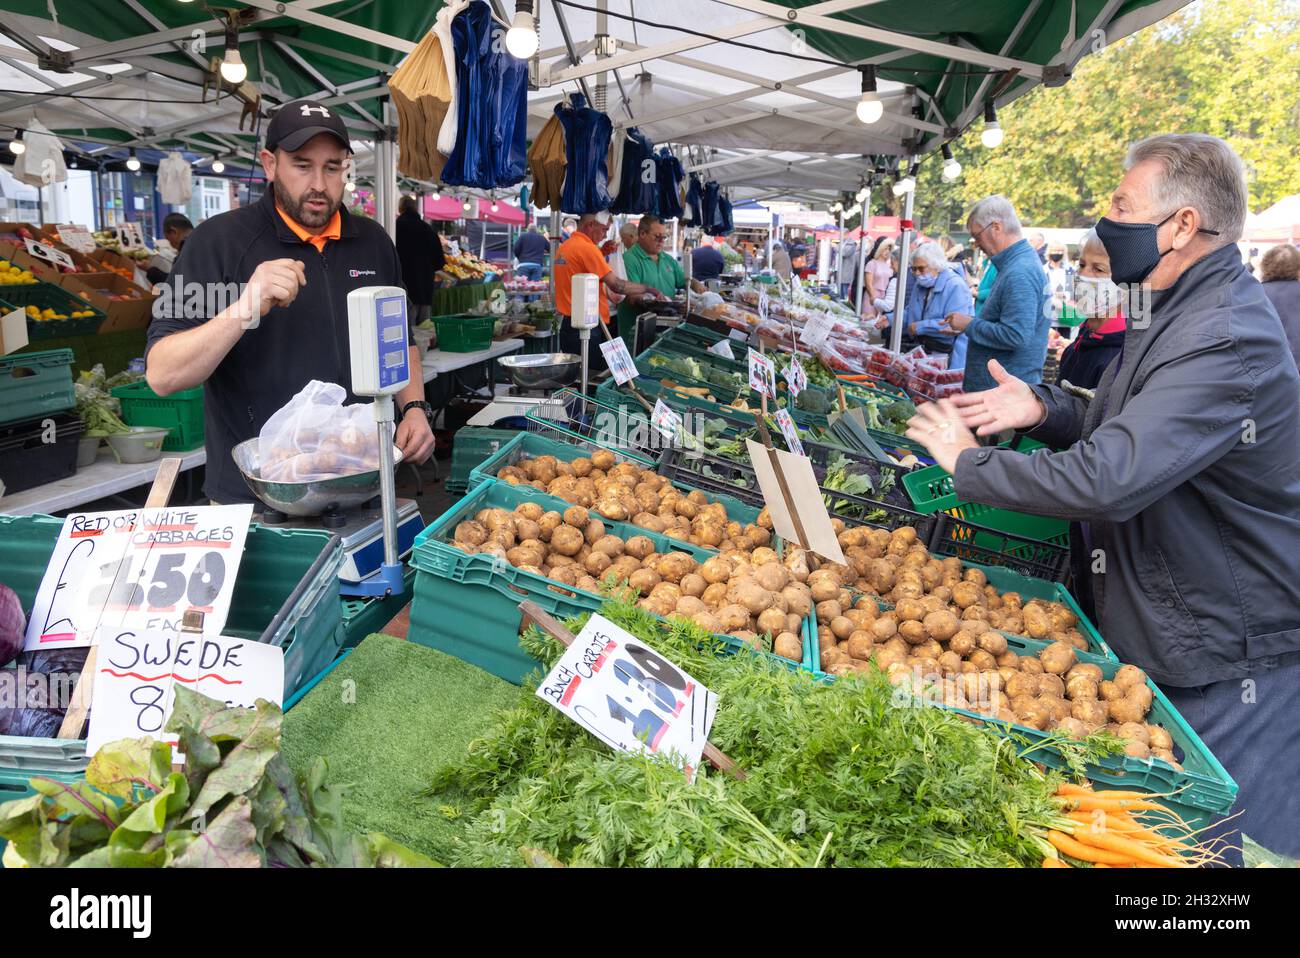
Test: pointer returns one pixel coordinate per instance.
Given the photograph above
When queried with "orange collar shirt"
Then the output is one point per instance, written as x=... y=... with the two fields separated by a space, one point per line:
x=578 y=254
x=332 y=231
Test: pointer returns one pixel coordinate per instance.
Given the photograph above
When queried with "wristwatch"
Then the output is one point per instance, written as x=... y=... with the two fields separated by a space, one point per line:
x=418 y=404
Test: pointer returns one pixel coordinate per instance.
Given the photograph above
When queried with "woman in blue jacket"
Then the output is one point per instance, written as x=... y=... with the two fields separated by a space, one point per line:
x=939 y=291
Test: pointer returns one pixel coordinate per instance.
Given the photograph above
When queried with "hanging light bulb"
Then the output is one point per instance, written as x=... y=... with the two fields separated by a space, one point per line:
x=992 y=135
x=436 y=196
x=232 y=64
x=862 y=194
x=494 y=206
x=16 y=146
x=218 y=166
x=905 y=185
x=521 y=38
x=869 y=108
x=466 y=205
x=133 y=162
x=951 y=168
x=350 y=186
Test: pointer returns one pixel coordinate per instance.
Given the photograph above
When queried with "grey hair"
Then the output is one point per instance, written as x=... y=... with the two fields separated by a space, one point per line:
x=930 y=254
x=1091 y=238
x=997 y=208
x=1200 y=171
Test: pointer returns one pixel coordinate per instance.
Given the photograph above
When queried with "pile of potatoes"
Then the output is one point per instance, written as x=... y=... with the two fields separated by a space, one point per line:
x=754 y=596
x=626 y=492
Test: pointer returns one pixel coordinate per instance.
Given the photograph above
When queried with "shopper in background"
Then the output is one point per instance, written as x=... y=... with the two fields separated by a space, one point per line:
x=1011 y=327
x=1280 y=272
x=940 y=292
x=1039 y=242
x=847 y=263
x=176 y=230
x=706 y=262
x=420 y=251
x=877 y=272
x=1059 y=273
x=626 y=240
x=649 y=265
x=580 y=253
x=1183 y=471
x=781 y=261
x=530 y=252
x=1097 y=298
x=886 y=304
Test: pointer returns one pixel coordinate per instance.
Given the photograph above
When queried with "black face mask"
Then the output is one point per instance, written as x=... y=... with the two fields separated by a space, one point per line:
x=1056 y=257
x=1134 y=248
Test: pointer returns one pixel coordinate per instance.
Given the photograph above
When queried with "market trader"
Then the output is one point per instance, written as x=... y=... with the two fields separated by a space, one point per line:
x=294 y=256
x=580 y=253
x=1184 y=469
x=647 y=263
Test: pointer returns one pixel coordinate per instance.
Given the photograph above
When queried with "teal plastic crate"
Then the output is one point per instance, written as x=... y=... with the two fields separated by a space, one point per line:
x=469 y=447
x=181 y=412
x=362 y=616
x=575 y=417
x=468 y=605
x=532 y=445
x=48 y=296
x=286 y=596
x=34 y=384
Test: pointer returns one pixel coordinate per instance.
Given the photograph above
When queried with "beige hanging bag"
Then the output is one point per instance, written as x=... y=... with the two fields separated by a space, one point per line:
x=421 y=92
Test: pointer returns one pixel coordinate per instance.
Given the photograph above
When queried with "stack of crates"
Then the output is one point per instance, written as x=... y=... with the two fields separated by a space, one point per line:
x=39 y=426
x=471 y=446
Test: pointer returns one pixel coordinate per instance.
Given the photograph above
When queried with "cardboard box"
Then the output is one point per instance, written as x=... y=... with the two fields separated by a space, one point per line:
x=98 y=290
x=10 y=231
x=43 y=270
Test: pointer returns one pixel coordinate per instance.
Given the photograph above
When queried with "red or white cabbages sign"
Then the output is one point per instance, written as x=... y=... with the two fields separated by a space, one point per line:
x=138 y=569
x=631 y=697
x=136 y=675
x=796 y=377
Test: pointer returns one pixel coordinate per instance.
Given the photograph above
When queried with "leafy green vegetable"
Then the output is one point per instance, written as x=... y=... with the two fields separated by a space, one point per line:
x=236 y=804
x=847 y=773
x=96 y=406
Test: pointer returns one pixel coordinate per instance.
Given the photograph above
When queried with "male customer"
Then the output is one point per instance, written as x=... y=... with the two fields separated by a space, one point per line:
x=1013 y=323
x=176 y=230
x=530 y=252
x=294 y=256
x=647 y=263
x=1184 y=469
x=420 y=253
x=580 y=253
x=706 y=262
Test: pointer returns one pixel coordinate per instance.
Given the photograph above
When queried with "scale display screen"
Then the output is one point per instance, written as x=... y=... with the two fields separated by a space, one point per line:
x=394 y=357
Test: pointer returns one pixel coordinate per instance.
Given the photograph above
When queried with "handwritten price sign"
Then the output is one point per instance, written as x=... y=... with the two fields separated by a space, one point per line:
x=137 y=672
x=790 y=431
x=51 y=255
x=666 y=420
x=796 y=377
x=762 y=374
x=138 y=570
x=77 y=237
x=619 y=360
x=629 y=696
x=816 y=331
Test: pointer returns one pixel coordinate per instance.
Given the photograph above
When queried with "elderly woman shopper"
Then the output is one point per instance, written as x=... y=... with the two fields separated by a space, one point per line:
x=1097 y=298
x=1279 y=271
x=939 y=292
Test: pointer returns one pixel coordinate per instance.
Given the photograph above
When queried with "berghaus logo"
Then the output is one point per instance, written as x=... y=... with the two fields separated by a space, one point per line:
x=354 y=273
x=76 y=911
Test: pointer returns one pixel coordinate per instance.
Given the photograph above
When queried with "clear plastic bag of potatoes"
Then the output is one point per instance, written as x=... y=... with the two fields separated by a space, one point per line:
x=314 y=436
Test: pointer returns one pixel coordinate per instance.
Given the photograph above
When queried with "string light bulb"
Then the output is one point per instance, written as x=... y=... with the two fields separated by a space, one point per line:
x=905 y=185
x=233 y=69
x=992 y=135
x=951 y=168
x=16 y=146
x=869 y=108
x=521 y=38
x=133 y=162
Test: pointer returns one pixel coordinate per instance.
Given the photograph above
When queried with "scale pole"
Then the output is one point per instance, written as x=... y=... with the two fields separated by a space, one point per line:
x=585 y=336
x=387 y=484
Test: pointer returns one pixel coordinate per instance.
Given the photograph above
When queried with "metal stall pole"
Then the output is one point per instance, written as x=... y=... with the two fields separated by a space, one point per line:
x=839 y=256
x=859 y=283
x=904 y=254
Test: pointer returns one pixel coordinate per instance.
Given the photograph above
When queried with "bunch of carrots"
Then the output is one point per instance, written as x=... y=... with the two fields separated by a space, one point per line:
x=1100 y=828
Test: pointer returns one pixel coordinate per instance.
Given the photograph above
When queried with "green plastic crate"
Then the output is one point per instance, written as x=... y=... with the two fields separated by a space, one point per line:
x=532 y=445
x=363 y=616
x=48 y=296
x=464 y=334
x=469 y=447
x=180 y=412
x=575 y=417
x=113 y=350
x=468 y=605
x=692 y=334
x=286 y=596
x=34 y=384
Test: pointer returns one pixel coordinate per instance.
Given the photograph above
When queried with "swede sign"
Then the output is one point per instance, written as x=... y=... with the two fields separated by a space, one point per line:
x=138 y=569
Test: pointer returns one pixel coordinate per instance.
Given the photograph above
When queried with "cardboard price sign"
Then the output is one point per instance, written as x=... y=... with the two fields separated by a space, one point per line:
x=793 y=499
x=129 y=236
x=137 y=671
x=723 y=348
x=762 y=374
x=51 y=255
x=791 y=432
x=77 y=237
x=631 y=697
x=138 y=569
x=666 y=421
x=796 y=377
x=762 y=305
x=816 y=331
x=619 y=360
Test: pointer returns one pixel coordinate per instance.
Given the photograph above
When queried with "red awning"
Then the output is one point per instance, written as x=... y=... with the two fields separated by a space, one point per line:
x=506 y=213
x=444 y=208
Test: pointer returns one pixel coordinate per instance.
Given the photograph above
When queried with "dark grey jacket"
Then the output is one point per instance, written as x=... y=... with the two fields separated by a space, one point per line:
x=1185 y=469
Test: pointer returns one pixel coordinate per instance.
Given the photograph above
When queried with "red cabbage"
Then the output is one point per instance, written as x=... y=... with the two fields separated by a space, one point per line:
x=13 y=624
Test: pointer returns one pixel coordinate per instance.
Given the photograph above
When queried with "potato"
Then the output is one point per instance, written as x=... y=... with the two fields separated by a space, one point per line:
x=994 y=643
x=940 y=626
x=527 y=529
x=824 y=587
x=966 y=594
x=593 y=531
x=470 y=533
x=529 y=510
x=842 y=626
x=707 y=621
x=883 y=629
x=733 y=617
x=638 y=547
x=982 y=660
x=771 y=621
x=523 y=555
x=750 y=594
x=1136 y=749
x=549 y=522
x=950 y=662
x=1080 y=687
x=963 y=643
x=1109 y=691
x=1086 y=669
x=597 y=563
x=1125 y=710
x=828 y=610
x=1056 y=706
x=771 y=575
x=1049 y=684
x=568 y=574
x=797 y=598
x=1058 y=658
x=912 y=631
x=715 y=595
x=689 y=606
x=693 y=584
x=1072 y=727
x=1034 y=715
x=644 y=580
x=1134 y=731
x=566 y=540
x=716 y=569
x=675 y=565
x=1031 y=665
x=1127 y=676
x=909 y=609
x=1021 y=684
x=1166 y=756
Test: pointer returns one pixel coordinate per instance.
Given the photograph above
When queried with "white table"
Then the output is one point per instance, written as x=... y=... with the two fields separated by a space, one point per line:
x=106 y=477
x=437 y=362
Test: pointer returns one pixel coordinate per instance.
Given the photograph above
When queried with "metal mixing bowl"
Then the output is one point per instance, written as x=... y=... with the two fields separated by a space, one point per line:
x=543 y=370
x=306 y=498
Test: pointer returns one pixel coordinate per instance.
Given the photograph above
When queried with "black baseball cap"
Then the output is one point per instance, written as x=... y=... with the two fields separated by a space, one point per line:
x=298 y=121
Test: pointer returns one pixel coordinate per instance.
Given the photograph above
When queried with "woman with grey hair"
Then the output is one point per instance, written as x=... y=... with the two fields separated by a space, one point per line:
x=939 y=291
x=1097 y=298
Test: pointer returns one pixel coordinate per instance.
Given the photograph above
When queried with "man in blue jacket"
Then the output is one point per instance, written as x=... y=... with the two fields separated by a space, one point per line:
x=1013 y=323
